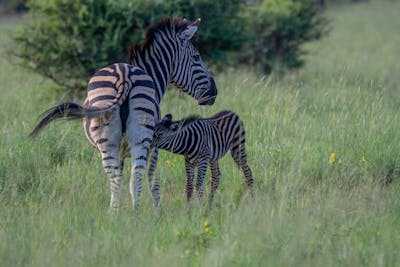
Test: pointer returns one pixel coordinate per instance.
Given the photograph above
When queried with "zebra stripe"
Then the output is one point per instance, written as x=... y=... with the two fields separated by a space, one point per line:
x=123 y=102
x=159 y=60
x=203 y=142
x=107 y=133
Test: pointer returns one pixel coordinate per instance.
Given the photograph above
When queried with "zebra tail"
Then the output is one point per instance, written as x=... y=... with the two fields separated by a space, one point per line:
x=68 y=110
x=71 y=110
x=122 y=95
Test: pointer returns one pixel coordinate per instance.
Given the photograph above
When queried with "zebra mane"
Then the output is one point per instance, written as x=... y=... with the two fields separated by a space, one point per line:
x=176 y=24
x=193 y=118
x=189 y=119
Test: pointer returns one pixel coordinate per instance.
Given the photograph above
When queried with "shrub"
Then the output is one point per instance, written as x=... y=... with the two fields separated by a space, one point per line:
x=277 y=29
x=13 y=5
x=221 y=29
x=67 y=41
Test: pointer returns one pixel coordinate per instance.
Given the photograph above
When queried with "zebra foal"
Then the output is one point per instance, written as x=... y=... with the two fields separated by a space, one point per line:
x=123 y=102
x=203 y=142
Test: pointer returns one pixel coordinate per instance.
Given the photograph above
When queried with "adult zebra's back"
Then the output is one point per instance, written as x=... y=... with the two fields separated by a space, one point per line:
x=123 y=102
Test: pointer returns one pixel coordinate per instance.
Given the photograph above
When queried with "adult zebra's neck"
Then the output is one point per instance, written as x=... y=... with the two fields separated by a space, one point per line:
x=156 y=60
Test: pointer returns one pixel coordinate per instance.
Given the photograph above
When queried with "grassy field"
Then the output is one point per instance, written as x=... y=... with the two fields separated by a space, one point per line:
x=323 y=143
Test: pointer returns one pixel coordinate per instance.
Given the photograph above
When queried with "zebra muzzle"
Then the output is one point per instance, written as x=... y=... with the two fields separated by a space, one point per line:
x=208 y=98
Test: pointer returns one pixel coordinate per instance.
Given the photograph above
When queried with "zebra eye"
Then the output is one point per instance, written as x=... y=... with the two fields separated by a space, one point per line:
x=196 y=57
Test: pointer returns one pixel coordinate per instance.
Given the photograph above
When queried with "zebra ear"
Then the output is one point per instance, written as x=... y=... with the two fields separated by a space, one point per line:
x=189 y=32
x=167 y=118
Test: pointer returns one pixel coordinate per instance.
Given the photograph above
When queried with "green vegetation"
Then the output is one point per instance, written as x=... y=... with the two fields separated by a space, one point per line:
x=12 y=5
x=82 y=36
x=308 y=211
x=276 y=31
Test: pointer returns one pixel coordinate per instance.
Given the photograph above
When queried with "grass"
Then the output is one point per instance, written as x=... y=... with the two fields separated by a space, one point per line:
x=308 y=211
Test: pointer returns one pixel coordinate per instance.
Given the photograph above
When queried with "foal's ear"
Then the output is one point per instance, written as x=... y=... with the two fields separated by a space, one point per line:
x=167 y=118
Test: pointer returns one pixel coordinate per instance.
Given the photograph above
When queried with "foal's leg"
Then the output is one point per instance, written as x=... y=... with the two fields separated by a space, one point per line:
x=201 y=172
x=189 y=179
x=215 y=175
x=154 y=185
x=240 y=157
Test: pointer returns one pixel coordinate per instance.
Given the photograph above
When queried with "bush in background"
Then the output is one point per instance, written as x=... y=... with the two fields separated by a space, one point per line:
x=67 y=40
x=328 y=2
x=277 y=29
x=222 y=25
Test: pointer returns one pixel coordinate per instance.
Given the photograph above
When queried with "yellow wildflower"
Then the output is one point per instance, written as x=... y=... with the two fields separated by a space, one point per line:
x=363 y=159
x=208 y=230
x=206 y=224
x=168 y=162
x=332 y=158
x=187 y=251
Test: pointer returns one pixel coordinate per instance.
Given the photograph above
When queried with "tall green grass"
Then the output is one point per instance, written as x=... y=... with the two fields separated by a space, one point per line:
x=308 y=211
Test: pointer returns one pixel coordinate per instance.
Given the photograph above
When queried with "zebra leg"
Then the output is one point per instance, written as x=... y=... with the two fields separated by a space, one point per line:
x=115 y=186
x=151 y=174
x=201 y=172
x=139 y=136
x=248 y=178
x=106 y=133
x=189 y=179
x=240 y=157
x=138 y=161
x=215 y=175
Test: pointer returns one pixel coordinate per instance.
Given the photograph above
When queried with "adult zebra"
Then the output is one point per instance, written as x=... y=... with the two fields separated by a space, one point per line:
x=122 y=107
x=203 y=142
